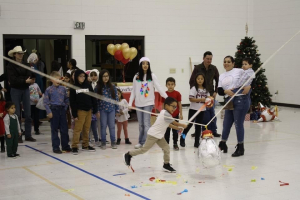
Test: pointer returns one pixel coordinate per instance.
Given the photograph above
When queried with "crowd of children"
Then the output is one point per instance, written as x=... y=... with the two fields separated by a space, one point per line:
x=72 y=110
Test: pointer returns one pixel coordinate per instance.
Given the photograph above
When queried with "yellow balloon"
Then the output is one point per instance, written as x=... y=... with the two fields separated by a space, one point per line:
x=126 y=53
x=124 y=46
x=117 y=47
x=111 y=49
x=133 y=53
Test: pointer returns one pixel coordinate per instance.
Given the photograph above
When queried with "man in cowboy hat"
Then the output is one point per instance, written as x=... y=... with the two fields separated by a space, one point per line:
x=19 y=79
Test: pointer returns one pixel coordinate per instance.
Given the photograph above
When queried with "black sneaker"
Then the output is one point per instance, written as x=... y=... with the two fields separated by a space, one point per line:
x=20 y=139
x=193 y=134
x=127 y=159
x=17 y=155
x=118 y=141
x=2 y=150
x=67 y=150
x=176 y=148
x=168 y=168
x=216 y=135
x=12 y=156
x=182 y=142
x=37 y=132
x=30 y=139
x=196 y=144
x=88 y=148
x=58 y=151
x=75 y=151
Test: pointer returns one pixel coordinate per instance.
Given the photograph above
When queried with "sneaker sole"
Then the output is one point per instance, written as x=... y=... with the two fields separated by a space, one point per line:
x=125 y=160
x=165 y=170
x=74 y=153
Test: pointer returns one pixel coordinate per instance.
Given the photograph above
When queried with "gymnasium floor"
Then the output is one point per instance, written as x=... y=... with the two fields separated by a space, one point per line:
x=272 y=155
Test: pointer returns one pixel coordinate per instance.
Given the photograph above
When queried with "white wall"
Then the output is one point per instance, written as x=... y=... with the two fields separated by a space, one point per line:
x=174 y=30
x=275 y=22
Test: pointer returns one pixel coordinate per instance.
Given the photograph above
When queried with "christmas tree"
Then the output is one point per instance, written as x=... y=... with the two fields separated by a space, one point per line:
x=260 y=91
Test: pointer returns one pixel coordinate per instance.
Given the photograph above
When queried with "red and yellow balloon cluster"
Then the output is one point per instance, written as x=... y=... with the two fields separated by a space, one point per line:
x=122 y=52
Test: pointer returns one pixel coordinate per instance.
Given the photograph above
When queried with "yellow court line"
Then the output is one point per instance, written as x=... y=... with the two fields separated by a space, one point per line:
x=53 y=184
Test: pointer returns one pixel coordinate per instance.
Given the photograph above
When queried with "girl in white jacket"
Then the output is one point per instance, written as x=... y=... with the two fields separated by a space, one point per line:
x=142 y=92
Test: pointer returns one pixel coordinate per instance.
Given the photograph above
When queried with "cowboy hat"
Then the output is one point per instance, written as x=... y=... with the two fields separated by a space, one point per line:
x=17 y=49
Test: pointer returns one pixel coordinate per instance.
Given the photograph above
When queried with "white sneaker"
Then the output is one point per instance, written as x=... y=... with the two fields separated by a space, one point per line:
x=138 y=146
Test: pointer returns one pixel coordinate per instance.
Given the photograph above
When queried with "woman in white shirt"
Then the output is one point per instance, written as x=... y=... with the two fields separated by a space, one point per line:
x=142 y=92
x=227 y=82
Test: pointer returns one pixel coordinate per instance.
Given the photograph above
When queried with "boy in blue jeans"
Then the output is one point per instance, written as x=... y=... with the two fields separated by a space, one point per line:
x=56 y=102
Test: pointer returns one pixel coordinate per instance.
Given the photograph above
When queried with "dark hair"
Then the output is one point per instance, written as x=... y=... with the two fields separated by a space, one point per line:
x=169 y=100
x=55 y=65
x=73 y=63
x=8 y=105
x=93 y=73
x=2 y=97
x=204 y=83
x=71 y=79
x=207 y=53
x=170 y=79
x=231 y=58
x=100 y=84
x=248 y=60
x=32 y=75
x=68 y=75
x=141 y=73
x=118 y=90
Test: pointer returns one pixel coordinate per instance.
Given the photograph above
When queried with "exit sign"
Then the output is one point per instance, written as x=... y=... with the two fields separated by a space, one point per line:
x=79 y=25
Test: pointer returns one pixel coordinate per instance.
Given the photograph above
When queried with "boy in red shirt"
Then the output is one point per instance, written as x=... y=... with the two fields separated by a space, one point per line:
x=170 y=84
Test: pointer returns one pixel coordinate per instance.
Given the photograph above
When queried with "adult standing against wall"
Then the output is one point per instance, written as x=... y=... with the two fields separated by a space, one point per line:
x=19 y=79
x=241 y=105
x=211 y=74
x=142 y=92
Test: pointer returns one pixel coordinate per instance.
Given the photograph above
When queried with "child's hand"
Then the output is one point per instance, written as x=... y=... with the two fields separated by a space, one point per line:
x=1 y=114
x=35 y=101
x=50 y=115
x=118 y=114
x=121 y=113
x=8 y=136
x=76 y=119
x=180 y=117
x=41 y=94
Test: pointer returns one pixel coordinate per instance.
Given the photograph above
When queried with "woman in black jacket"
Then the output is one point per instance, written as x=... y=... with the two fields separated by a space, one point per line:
x=19 y=80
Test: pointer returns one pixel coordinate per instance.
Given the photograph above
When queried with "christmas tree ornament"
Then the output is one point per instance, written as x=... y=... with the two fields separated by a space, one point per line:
x=208 y=151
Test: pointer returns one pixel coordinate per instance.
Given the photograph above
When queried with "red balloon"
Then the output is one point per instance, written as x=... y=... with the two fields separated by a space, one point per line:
x=125 y=61
x=118 y=55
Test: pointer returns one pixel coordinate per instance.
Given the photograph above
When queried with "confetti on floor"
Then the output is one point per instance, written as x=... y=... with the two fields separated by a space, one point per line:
x=253 y=180
x=134 y=186
x=127 y=195
x=185 y=190
x=69 y=190
x=132 y=169
x=283 y=183
x=253 y=167
x=262 y=179
x=152 y=178
x=119 y=174
x=201 y=182
x=230 y=169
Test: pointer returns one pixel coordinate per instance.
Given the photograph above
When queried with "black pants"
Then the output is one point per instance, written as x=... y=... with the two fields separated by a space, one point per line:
x=175 y=134
x=198 y=119
x=2 y=142
x=35 y=115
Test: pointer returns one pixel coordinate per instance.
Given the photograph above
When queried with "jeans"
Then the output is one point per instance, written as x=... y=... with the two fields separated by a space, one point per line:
x=35 y=113
x=59 y=121
x=108 y=119
x=237 y=116
x=18 y=96
x=209 y=114
x=144 y=123
x=94 y=130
